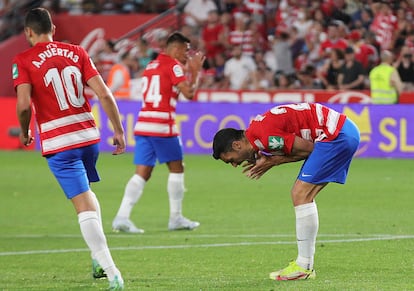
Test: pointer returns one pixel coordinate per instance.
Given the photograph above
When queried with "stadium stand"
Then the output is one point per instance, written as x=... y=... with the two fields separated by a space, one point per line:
x=301 y=32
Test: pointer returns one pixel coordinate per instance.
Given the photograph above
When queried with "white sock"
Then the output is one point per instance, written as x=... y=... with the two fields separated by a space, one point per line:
x=98 y=213
x=307 y=223
x=98 y=208
x=95 y=239
x=133 y=191
x=175 y=188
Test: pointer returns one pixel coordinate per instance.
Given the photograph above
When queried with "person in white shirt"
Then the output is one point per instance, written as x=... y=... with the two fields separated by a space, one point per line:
x=196 y=12
x=238 y=69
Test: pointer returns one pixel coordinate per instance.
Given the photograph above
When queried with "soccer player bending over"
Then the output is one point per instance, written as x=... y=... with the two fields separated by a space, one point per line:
x=325 y=139
x=52 y=76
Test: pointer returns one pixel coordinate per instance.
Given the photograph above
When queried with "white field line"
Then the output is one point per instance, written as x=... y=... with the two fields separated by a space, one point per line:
x=213 y=245
x=189 y=234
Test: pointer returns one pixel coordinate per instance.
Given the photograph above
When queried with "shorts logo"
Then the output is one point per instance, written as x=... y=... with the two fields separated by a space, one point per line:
x=15 y=71
x=178 y=71
x=276 y=142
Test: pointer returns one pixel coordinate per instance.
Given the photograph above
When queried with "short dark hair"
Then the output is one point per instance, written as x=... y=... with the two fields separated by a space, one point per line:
x=223 y=140
x=39 y=20
x=177 y=37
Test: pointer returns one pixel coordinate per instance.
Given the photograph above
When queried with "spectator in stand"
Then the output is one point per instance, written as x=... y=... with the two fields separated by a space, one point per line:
x=262 y=77
x=405 y=68
x=351 y=76
x=282 y=81
x=303 y=22
x=283 y=55
x=328 y=73
x=106 y=58
x=143 y=52
x=193 y=35
x=307 y=80
x=370 y=39
x=319 y=16
x=366 y=18
x=365 y=53
x=313 y=39
x=238 y=6
x=260 y=56
x=385 y=82
x=219 y=62
x=286 y=15
x=196 y=12
x=213 y=37
x=259 y=42
x=402 y=22
x=241 y=35
x=238 y=69
x=120 y=76
x=256 y=8
x=297 y=43
x=384 y=25
x=338 y=11
x=207 y=80
x=333 y=40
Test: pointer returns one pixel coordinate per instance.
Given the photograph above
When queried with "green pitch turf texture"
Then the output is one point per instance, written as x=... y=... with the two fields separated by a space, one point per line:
x=365 y=242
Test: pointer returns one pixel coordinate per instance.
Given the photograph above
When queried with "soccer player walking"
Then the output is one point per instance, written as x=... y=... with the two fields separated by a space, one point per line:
x=52 y=76
x=327 y=140
x=156 y=134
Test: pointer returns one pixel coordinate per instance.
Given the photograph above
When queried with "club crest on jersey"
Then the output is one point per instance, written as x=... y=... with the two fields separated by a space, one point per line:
x=178 y=71
x=276 y=142
x=15 y=71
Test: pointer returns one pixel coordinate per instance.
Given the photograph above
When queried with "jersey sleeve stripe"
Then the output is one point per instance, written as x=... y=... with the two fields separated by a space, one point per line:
x=319 y=114
x=332 y=121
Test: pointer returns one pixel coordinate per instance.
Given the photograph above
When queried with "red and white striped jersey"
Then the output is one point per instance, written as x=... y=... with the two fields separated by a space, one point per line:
x=58 y=73
x=276 y=129
x=256 y=6
x=160 y=95
x=384 y=27
x=243 y=38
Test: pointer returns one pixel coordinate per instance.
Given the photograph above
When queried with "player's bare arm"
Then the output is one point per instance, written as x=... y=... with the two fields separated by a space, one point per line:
x=110 y=107
x=300 y=151
x=24 y=113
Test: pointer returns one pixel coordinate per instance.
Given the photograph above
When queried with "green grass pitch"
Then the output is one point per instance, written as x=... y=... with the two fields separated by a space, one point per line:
x=365 y=241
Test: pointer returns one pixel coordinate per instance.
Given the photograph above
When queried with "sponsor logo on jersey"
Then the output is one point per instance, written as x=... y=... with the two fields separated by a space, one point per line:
x=15 y=71
x=276 y=142
x=178 y=71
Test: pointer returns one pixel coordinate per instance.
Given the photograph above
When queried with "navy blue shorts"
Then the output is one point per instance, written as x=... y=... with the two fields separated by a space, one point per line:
x=330 y=160
x=149 y=149
x=75 y=169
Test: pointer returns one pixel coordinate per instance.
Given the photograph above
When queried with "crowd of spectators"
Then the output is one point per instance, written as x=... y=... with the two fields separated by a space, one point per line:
x=286 y=44
x=269 y=44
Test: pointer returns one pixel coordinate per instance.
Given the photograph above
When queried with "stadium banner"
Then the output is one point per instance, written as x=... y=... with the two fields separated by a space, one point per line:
x=9 y=126
x=387 y=131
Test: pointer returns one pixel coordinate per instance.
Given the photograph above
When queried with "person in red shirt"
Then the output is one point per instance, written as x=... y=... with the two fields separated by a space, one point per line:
x=325 y=139
x=333 y=41
x=52 y=77
x=213 y=37
x=156 y=134
x=365 y=53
